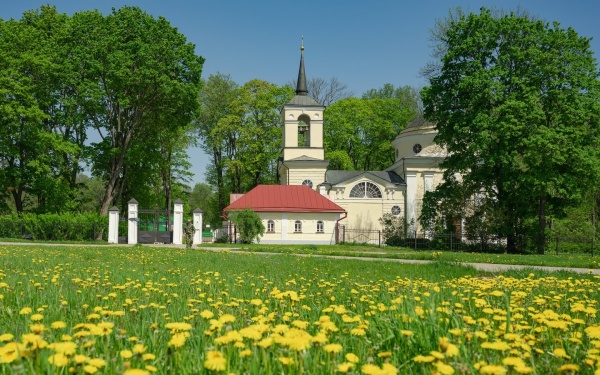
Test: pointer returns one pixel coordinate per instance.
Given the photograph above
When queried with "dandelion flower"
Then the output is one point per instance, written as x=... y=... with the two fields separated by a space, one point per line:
x=333 y=348
x=58 y=325
x=215 y=361
x=351 y=357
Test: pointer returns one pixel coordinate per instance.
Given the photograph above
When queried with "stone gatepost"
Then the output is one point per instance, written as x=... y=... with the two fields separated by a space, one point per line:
x=198 y=225
x=178 y=222
x=132 y=222
x=113 y=225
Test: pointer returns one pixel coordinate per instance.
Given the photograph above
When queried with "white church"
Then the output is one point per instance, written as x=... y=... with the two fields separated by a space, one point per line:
x=311 y=200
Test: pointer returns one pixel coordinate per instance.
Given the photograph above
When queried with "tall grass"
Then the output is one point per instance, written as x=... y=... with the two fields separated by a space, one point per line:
x=250 y=313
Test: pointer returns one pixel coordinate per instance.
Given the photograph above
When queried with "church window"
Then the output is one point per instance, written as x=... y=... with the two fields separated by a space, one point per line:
x=298 y=226
x=308 y=183
x=303 y=131
x=320 y=227
x=365 y=190
x=270 y=226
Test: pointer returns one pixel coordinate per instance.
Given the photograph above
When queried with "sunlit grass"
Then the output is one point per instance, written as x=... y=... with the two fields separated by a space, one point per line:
x=173 y=311
x=369 y=251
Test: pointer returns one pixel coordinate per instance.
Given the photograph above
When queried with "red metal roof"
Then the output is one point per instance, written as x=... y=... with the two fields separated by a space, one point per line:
x=284 y=198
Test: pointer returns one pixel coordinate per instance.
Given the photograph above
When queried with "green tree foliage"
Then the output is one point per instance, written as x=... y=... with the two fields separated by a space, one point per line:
x=240 y=128
x=34 y=151
x=516 y=104
x=204 y=198
x=127 y=76
x=248 y=224
x=359 y=132
x=142 y=74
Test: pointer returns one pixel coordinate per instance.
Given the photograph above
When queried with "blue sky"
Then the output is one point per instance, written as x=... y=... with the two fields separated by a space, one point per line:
x=365 y=44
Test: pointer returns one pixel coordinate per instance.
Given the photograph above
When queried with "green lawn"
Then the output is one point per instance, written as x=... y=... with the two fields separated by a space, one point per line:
x=551 y=260
x=138 y=310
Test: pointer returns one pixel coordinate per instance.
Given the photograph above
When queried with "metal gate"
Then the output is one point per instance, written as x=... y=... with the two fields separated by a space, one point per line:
x=155 y=226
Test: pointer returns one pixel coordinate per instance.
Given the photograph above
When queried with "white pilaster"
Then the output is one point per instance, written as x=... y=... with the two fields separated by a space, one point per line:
x=284 y=227
x=113 y=225
x=198 y=225
x=411 y=195
x=178 y=222
x=132 y=222
x=428 y=181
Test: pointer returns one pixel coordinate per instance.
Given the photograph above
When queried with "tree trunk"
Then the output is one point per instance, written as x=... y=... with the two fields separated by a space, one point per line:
x=114 y=174
x=542 y=225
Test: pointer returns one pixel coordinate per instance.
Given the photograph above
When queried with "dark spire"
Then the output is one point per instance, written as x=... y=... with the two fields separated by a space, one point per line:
x=301 y=84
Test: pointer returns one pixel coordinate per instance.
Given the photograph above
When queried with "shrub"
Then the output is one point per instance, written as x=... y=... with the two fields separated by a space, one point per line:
x=249 y=225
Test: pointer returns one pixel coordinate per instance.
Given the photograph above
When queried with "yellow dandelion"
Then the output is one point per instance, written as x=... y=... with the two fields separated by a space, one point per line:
x=136 y=371
x=25 y=311
x=569 y=368
x=6 y=337
x=207 y=314
x=58 y=360
x=384 y=354
x=215 y=361
x=333 y=348
x=177 y=341
x=352 y=358
x=492 y=370
x=345 y=367
x=286 y=360
x=443 y=368
x=245 y=353
x=126 y=354
x=97 y=362
x=36 y=317
x=58 y=325
x=89 y=369
x=148 y=357
x=139 y=348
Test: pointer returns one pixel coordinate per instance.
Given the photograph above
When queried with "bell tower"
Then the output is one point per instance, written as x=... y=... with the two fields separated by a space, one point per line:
x=303 y=156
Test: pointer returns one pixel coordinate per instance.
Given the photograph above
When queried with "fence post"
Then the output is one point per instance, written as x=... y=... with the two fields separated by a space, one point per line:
x=198 y=225
x=593 y=243
x=113 y=225
x=556 y=245
x=132 y=224
x=451 y=236
x=379 y=237
x=415 y=240
x=344 y=234
x=178 y=222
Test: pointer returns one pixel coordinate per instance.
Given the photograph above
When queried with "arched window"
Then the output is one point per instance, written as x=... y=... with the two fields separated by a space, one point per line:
x=365 y=190
x=303 y=131
x=308 y=183
x=298 y=226
x=320 y=227
x=270 y=226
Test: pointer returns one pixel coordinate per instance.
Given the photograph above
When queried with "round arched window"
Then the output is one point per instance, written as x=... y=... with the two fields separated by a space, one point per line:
x=308 y=183
x=396 y=210
x=417 y=148
x=365 y=190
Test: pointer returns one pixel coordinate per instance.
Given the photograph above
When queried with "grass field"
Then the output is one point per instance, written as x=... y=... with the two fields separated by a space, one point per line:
x=563 y=260
x=137 y=310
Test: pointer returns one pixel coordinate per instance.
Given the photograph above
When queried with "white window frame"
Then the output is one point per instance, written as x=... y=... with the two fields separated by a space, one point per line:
x=270 y=226
x=320 y=226
x=297 y=226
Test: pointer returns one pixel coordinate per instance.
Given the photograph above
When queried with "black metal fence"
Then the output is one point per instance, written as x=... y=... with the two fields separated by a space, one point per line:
x=358 y=236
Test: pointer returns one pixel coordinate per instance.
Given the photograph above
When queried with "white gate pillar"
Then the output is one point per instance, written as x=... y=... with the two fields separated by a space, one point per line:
x=178 y=222
x=198 y=225
x=132 y=222
x=113 y=225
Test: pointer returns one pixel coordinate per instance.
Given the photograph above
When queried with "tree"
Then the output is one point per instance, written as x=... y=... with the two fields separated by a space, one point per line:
x=408 y=97
x=137 y=68
x=218 y=110
x=203 y=197
x=34 y=155
x=361 y=131
x=516 y=104
x=324 y=91
x=248 y=224
x=438 y=36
